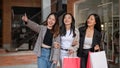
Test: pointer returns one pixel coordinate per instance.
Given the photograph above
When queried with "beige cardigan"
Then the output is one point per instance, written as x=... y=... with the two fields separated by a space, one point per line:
x=75 y=47
x=41 y=29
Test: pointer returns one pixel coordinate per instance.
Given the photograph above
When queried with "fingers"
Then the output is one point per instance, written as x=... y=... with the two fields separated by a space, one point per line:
x=70 y=52
x=24 y=18
x=56 y=45
x=74 y=43
x=25 y=15
x=96 y=47
x=54 y=62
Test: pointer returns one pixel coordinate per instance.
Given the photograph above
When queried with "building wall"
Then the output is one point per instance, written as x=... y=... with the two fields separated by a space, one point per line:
x=0 y=4
x=53 y=6
x=0 y=23
x=7 y=4
x=70 y=6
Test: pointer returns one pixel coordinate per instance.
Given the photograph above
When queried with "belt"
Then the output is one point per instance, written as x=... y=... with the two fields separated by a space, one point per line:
x=64 y=49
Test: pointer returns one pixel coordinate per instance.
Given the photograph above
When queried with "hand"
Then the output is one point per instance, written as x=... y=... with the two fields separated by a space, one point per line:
x=56 y=45
x=54 y=62
x=70 y=52
x=96 y=47
x=25 y=18
x=74 y=43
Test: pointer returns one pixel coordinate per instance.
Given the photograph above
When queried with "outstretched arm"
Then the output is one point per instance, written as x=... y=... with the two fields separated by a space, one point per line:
x=32 y=25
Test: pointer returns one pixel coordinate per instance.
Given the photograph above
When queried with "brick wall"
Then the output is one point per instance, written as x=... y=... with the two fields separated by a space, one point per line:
x=53 y=6
x=7 y=4
x=70 y=6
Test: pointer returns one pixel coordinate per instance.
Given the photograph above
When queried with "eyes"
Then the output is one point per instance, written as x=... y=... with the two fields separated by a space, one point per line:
x=67 y=17
x=52 y=18
x=91 y=18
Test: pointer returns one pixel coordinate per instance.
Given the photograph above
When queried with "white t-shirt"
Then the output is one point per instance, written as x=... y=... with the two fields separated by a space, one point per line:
x=66 y=42
x=87 y=43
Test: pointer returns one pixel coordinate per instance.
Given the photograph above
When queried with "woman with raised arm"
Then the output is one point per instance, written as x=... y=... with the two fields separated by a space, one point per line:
x=47 y=38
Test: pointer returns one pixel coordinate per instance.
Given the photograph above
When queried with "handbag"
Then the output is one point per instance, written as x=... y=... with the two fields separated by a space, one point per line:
x=53 y=65
x=71 y=62
x=97 y=60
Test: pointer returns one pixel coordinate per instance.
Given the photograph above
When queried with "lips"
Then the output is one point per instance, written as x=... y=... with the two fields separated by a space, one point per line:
x=50 y=23
x=88 y=22
x=67 y=21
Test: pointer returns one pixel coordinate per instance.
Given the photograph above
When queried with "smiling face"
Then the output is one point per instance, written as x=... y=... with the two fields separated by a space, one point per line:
x=91 y=21
x=51 y=20
x=67 y=19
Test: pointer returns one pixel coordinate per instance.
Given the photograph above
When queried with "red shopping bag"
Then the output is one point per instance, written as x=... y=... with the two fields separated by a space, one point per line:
x=71 y=62
x=88 y=61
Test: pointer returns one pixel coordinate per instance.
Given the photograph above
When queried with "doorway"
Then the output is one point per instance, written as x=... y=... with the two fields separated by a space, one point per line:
x=0 y=23
x=22 y=37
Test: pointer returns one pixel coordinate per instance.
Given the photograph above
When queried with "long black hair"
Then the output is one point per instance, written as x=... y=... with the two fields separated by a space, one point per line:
x=63 y=28
x=97 y=20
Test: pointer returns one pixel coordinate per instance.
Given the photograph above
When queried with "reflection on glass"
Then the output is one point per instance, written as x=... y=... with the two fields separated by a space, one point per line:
x=107 y=10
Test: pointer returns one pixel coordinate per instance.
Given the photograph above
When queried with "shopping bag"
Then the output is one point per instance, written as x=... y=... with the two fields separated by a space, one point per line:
x=71 y=62
x=88 y=61
x=98 y=59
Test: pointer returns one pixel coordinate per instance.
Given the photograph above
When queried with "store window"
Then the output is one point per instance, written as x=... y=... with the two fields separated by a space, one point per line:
x=108 y=10
x=20 y=33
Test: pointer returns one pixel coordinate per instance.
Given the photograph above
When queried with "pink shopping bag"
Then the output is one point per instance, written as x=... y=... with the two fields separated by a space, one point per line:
x=71 y=62
x=88 y=61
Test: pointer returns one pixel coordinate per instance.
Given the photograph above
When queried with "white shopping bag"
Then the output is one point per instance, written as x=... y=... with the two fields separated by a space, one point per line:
x=98 y=59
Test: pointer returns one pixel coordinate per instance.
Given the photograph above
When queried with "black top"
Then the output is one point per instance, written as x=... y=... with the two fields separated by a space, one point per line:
x=48 y=38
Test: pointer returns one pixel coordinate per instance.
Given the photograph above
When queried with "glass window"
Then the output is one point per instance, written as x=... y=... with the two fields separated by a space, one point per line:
x=108 y=10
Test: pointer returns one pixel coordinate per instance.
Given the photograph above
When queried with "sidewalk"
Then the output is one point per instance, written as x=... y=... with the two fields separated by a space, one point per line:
x=21 y=59
x=21 y=66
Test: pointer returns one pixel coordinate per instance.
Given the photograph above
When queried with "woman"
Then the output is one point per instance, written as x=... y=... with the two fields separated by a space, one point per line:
x=69 y=37
x=90 y=38
x=48 y=36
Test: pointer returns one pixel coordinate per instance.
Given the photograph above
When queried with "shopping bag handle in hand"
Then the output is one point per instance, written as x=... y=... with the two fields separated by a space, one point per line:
x=53 y=65
x=98 y=50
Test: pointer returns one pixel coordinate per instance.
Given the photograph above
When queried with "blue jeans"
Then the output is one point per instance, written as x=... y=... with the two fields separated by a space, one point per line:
x=43 y=60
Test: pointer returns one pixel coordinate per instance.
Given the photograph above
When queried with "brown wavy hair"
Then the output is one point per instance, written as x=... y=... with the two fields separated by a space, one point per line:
x=56 y=28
